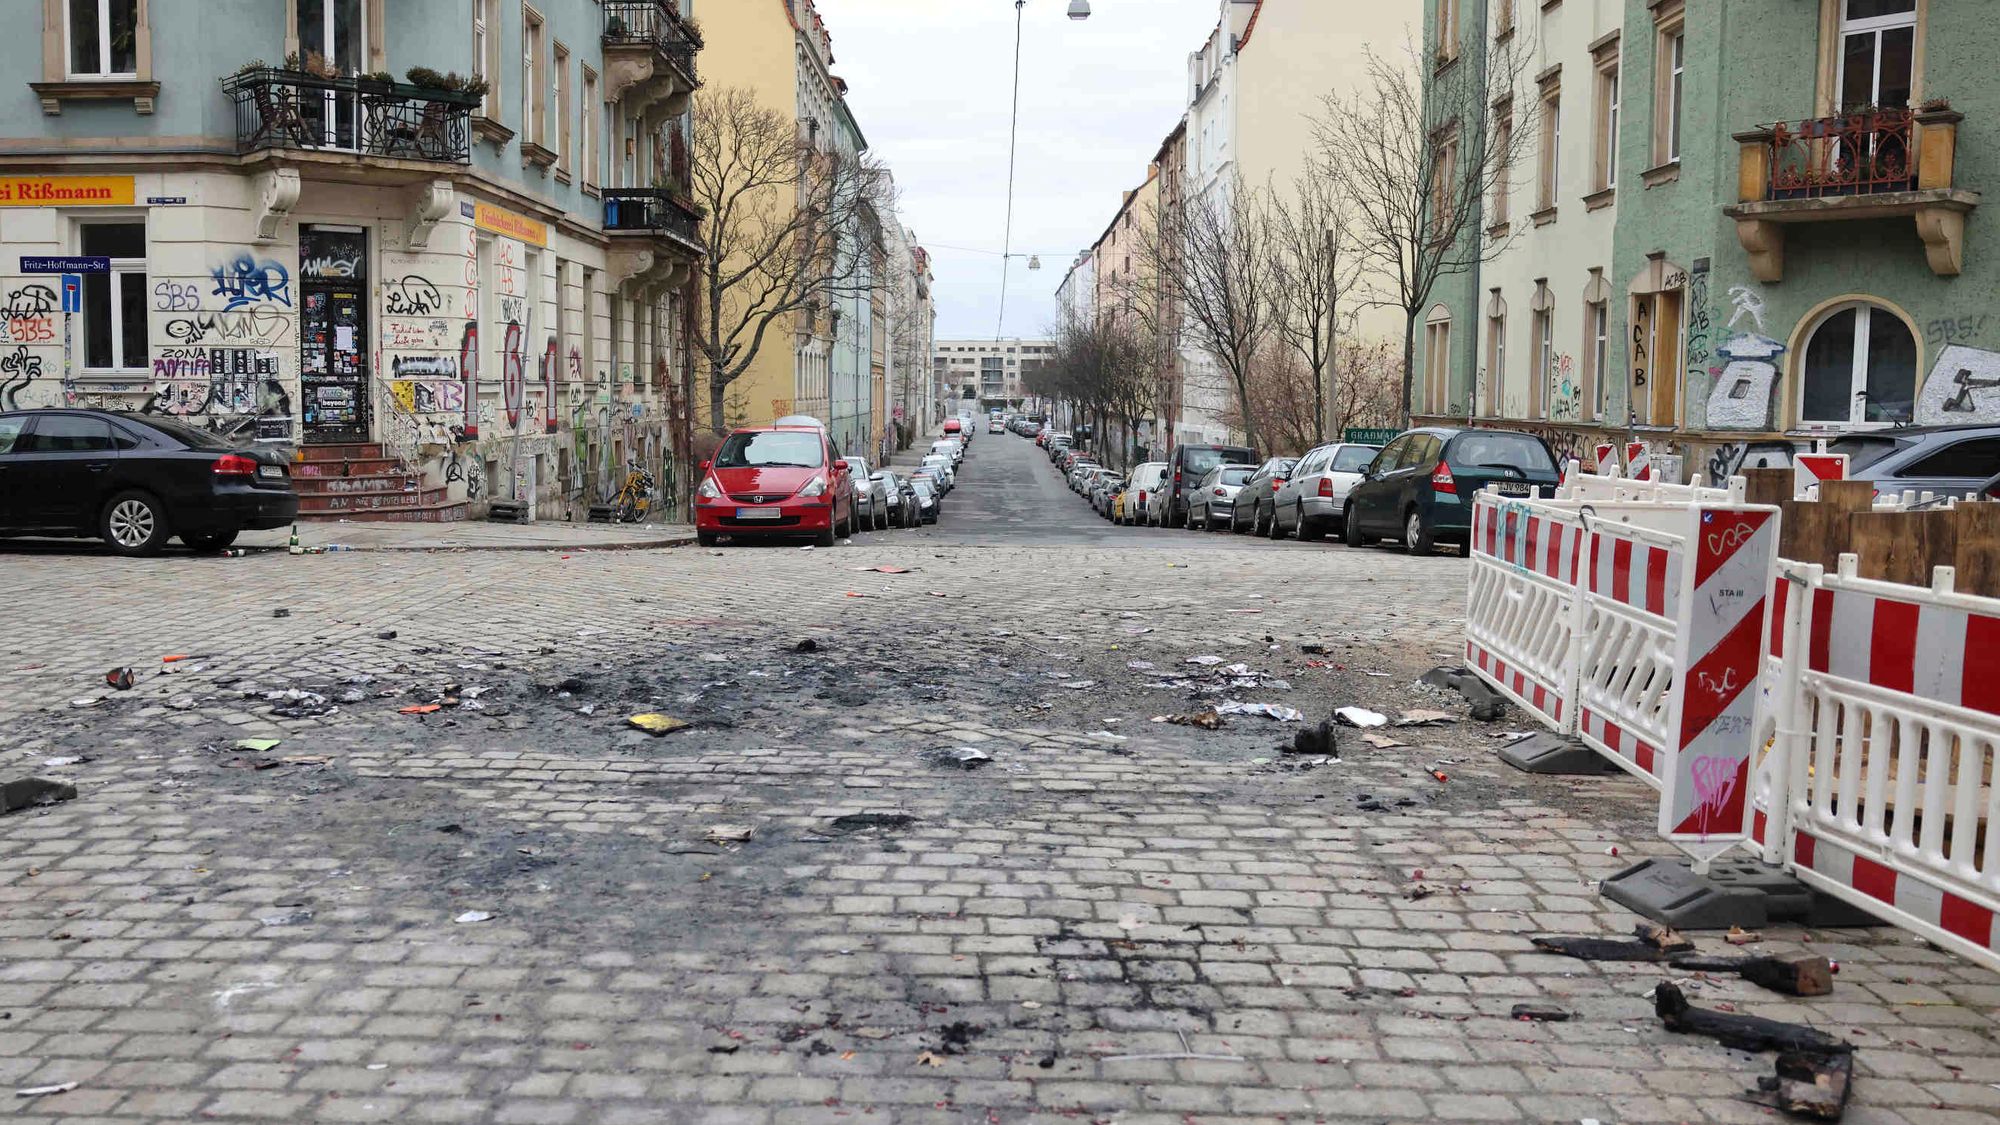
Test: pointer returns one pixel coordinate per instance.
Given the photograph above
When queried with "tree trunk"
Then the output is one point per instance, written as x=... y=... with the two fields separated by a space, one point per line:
x=717 y=389
x=1410 y=361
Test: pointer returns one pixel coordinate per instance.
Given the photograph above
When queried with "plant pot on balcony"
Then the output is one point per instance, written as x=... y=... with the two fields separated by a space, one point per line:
x=1937 y=147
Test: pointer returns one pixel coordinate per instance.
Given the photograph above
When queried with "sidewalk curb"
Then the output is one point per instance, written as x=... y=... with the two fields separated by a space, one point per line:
x=667 y=543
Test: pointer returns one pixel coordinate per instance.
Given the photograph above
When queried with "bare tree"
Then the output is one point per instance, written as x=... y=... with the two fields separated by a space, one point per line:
x=1211 y=261
x=1416 y=164
x=783 y=227
x=1315 y=267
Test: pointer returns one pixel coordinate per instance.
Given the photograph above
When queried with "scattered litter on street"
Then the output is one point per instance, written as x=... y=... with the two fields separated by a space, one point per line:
x=294 y=703
x=420 y=709
x=657 y=725
x=1802 y=976
x=58 y=763
x=30 y=792
x=1737 y=935
x=807 y=645
x=1381 y=741
x=1487 y=705
x=1541 y=1012
x=295 y=918
x=862 y=822
x=174 y=658
x=256 y=745
x=120 y=678
x=1317 y=739
x=1205 y=661
x=1421 y=718
x=958 y=757
x=1206 y=720
x=45 y=1091
x=386 y=635
x=249 y=763
x=1360 y=717
x=1080 y=685
x=885 y=569
x=1814 y=1069
x=729 y=834
x=474 y=916
x=1267 y=710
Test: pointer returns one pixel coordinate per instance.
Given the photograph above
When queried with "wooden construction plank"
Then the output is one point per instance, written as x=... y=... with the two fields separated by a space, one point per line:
x=1904 y=546
x=1977 y=548
x=1768 y=486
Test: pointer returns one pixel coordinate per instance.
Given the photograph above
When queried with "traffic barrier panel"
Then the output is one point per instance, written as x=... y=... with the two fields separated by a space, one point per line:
x=1891 y=769
x=1522 y=603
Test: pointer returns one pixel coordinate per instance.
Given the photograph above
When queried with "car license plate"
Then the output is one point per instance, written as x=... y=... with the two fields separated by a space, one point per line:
x=757 y=513
x=1513 y=488
x=271 y=472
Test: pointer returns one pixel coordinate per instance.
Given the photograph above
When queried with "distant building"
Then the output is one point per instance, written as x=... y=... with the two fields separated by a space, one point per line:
x=988 y=372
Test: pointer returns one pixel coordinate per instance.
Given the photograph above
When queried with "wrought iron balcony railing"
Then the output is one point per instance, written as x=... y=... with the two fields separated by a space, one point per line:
x=654 y=23
x=295 y=110
x=652 y=210
x=1865 y=153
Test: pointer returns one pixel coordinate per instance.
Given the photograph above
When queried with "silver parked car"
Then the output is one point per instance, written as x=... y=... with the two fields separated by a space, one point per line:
x=1254 y=509
x=1140 y=489
x=1212 y=501
x=1310 y=501
x=871 y=505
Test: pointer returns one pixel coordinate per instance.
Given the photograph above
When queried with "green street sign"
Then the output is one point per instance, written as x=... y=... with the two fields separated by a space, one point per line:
x=1376 y=435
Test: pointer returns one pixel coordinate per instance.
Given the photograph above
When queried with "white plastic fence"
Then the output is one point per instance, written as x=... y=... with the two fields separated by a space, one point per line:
x=1845 y=728
x=1522 y=609
x=1888 y=748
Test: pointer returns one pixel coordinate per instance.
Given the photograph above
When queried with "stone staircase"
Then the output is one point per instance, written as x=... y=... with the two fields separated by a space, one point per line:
x=364 y=482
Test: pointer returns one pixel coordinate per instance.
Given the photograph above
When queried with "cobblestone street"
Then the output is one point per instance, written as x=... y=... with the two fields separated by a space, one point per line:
x=510 y=909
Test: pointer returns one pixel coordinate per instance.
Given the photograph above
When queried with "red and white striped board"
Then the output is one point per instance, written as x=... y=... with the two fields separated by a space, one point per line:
x=1963 y=925
x=1717 y=701
x=1620 y=741
x=1530 y=692
x=1809 y=469
x=1642 y=575
x=1607 y=459
x=1638 y=461
x=1517 y=536
x=1943 y=653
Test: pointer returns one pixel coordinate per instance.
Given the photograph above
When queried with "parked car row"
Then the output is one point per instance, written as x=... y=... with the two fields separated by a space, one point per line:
x=1416 y=489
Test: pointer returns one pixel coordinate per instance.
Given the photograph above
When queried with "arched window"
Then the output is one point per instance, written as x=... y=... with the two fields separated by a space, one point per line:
x=1436 y=391
x=1860 y=368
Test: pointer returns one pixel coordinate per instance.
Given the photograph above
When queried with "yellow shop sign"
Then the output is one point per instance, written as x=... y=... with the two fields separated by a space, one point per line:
x=66 y=191
x=487 y=217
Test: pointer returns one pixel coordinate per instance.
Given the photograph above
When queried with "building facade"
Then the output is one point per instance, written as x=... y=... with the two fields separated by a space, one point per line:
x=988 y=374
x=1797 y=247
x=439 y=249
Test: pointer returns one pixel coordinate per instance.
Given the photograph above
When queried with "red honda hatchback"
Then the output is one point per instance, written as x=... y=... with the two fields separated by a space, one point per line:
x=778 y=481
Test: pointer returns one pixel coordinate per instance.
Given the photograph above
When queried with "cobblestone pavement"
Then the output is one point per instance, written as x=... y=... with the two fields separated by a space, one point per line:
x=1114 y=920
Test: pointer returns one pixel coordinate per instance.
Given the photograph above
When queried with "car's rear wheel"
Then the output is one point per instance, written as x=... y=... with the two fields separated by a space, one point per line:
x=1417 y=534
x=134 y=523
x=1308 y=530
x=1350 y=529
x=208 y=540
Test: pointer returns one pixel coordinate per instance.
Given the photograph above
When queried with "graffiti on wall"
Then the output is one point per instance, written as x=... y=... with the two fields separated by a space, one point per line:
x=414 y=295
x=18 y=368
x=1725 y=461
x=1700 y=344
x=1963 y=387
x=1746 y=387
x=468 y=375
x=247 y=280
x=1565 y=392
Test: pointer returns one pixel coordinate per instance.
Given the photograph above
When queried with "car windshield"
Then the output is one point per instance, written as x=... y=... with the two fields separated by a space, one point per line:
x=186 y=435
x=1235 y=476
x=1353 y=458
x=1496 y=450
x=922 y=487
x=764 y=449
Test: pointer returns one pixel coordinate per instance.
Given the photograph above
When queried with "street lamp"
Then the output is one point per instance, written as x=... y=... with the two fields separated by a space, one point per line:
x=1078 y=10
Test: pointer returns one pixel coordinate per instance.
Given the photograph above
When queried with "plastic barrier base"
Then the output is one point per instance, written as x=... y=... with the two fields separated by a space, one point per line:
x=1735 y=892
x=1554 y=754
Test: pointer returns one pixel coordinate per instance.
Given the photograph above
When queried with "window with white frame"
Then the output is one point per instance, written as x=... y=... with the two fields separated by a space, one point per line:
x=1550 y=180
x=559 y=106
x=1599 y=314
x=115 y=303
x=587 y=122
x=103 y=38
x=1437 y=359
x=1669 y=80
x=531 y=88
x=1860 y=368
x=1878 y=47
x=486 y=52
x=1605 y=144
x=1545 y=364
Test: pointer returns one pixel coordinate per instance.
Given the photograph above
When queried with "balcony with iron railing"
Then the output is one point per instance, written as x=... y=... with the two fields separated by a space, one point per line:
x=1867 y=164
x=298 y=110
x=656 y=212
x=649 y=45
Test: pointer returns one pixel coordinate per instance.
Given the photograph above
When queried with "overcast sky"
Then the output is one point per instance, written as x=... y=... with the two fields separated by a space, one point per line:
x=930 y=82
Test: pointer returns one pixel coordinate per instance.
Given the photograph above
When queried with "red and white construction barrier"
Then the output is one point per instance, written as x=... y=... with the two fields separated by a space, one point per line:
x=1638 y=461
x=1521 y=609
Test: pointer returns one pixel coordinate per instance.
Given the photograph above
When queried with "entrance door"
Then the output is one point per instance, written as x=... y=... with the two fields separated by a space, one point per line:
x=333 y=334
x=333 y=29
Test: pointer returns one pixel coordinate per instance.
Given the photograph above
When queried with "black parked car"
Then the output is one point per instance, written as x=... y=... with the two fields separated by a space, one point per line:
x=1946 y=460
x=134 y=480
x=1420 y=487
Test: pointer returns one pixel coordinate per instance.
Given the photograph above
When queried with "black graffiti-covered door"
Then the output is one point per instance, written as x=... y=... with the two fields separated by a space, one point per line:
x=333 y=334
